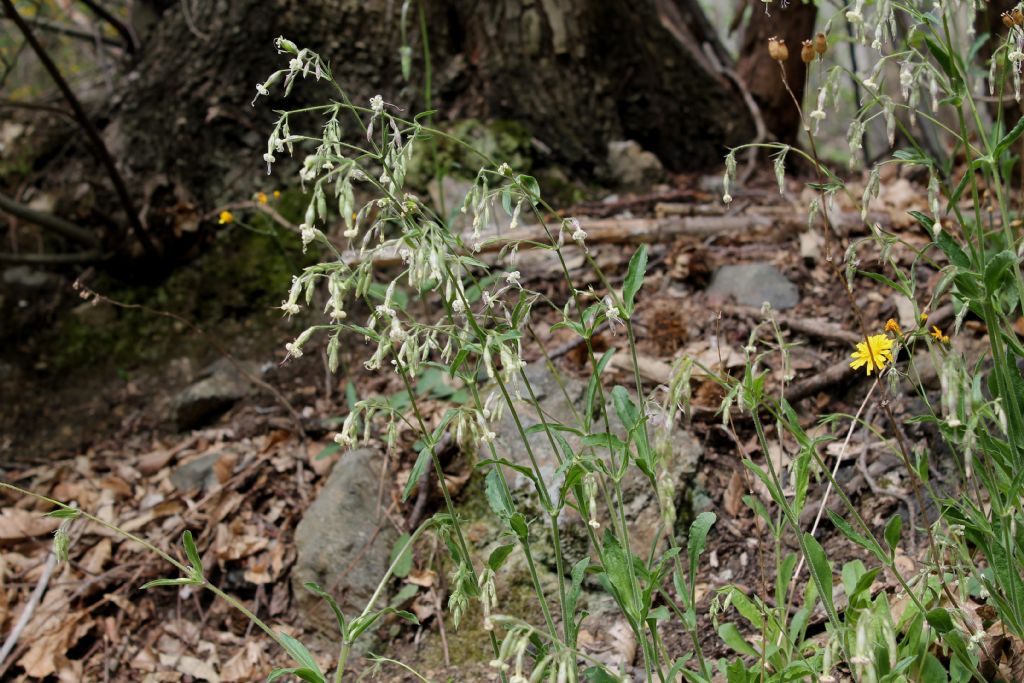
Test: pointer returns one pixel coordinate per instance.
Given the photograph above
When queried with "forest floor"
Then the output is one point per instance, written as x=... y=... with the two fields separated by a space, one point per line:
x=108 y=441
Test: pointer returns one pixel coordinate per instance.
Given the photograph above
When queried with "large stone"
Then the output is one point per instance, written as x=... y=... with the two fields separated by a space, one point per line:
x=632 y=167
x=752 y=284
x=344 y=541
x=221 y=387
x=680 y=455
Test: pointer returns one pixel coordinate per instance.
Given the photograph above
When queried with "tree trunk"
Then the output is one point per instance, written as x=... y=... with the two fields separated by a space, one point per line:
x=794 y=24
x=575 y=73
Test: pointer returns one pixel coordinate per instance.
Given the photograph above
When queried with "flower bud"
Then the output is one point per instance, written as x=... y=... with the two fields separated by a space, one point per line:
x=820 y=43
x=807 y=52
x=777 y=49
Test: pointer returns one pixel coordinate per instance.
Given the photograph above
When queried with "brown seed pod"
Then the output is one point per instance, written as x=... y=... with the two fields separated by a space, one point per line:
x=807 y=53
x=1007 y=19
x=820 y=43
x=777 y=49
x=1018 y=16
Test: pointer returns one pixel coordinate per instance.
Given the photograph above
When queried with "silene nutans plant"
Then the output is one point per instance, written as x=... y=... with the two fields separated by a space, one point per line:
x=945 y=100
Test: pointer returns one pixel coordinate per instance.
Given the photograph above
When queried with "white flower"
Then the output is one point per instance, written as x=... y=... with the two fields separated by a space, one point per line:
x=308 y=234
x=870 y=84
x=293 y=350
x=504 y=169
x=855 y=17
x=350 y=233
x=1016 y=56
x=377 y=104
x=262 y=89
x=727 y=198
x=290 y=307
x=578 y=234
x=269 y=158
x=512 y=277
x=818 y=114
x=458 y=306
x=295 y=64
x=396 y=334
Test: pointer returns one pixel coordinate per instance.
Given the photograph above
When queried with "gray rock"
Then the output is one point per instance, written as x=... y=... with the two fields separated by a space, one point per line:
x=632 y=167
x=681 y=453
x=204 y=400
x=27 y=278
x=196 y=474
x=753 y=284
x=343 y=542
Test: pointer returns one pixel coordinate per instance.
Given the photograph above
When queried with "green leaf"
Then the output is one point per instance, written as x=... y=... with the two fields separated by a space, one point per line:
x=401 y=556
x=940 y=620
x=732 y=637
x=497 y=496
x=596 y=674
x=192 y=552
x=697 y=541
x=170 y=582
x=1009 y=139
x=298 y=652
x=498 y=556
x=64 y=513
x=316 y=590
x=530 y=186
x=952 y=250
x=616 y=568
x=422 y=460
x=996 y=269
x=634 y=279
x=328 y=450
x=821 y=571
x=305 y=674
x=893 y=528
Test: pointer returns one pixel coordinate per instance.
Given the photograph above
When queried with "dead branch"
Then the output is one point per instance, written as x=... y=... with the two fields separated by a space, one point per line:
x=49 y=221
x=52 y=259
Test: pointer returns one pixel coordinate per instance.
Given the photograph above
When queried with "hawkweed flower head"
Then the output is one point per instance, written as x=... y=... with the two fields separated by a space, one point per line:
x=225 y=217
x=938 y=335
x=893 y=327
x=873 y=353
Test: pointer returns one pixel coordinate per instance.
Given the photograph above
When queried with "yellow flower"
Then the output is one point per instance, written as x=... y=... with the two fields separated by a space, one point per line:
x=924 y=316
x=892 y=326
x=873 y=353
x=937 y=333
x=261 y=197
x=225 y=217
x=277 y=194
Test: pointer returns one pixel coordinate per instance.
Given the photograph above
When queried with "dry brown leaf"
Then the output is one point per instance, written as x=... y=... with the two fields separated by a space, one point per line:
x=734 y=492
x=96 y=557
x=192 y=666
x=18 y=525
x=242 y=665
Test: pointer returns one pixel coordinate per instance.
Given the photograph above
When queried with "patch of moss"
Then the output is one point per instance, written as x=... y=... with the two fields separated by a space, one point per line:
x=230 y=289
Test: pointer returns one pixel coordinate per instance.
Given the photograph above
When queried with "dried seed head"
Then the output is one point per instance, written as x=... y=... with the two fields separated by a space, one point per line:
x=1007 y=19
x=777 y=49
x=807 y=52
x=820 y=43
x=1018 y=16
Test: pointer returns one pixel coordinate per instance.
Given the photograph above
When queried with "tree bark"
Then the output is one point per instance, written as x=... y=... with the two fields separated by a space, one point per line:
x=576 y=73
x=794 y=24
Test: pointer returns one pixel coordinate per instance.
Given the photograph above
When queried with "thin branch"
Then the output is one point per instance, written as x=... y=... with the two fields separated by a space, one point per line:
x=87 y=126
x=72 y=31
x=49 y=221
x=52 y=259
x=130 y=42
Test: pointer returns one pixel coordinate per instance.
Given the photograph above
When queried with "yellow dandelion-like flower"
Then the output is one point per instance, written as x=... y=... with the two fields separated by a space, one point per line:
x=277 y=194
x=225 y=217
x=873 y=353
x=939 y=337
x=892 y=326
x=924 y=316
x=261 y=197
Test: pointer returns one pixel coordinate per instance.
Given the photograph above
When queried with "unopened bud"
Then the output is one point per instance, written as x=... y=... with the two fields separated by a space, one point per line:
x=820 y=43
x=807 y=53
x=777 y=49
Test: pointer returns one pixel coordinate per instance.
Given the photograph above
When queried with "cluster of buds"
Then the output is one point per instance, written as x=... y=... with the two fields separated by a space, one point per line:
x=809 y=49
x=1014 y=17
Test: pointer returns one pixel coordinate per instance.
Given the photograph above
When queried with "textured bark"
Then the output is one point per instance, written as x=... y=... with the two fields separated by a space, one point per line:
x=794 y=24
x=576 y=73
